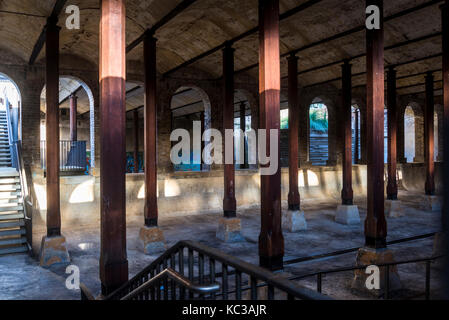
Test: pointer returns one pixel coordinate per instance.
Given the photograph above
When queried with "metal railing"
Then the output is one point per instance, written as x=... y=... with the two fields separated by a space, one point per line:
x=72 y=156
x=154 y=286
x=201 y=264
x=17 y=163
x=386 y=281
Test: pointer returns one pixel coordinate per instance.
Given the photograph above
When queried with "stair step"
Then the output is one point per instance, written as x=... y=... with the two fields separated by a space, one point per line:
x=12 y=241
x=4 y=208
x=11 y=216
x=9 y=233
x=9 y=187
x=20 y=249
x=11 y=195
x=9 y=180
x=11 y=224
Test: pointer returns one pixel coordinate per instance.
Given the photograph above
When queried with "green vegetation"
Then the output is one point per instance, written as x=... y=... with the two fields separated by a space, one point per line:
x=318 y=118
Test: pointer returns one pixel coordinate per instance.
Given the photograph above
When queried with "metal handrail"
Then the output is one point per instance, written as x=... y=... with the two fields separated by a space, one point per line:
x=178 y=278
x=255 y=273
x=17 y=163
x=428 y=261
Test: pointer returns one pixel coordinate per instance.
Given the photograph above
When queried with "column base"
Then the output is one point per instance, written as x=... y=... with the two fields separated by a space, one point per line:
x=431 y=203
x=152 y=240
x=294 y=221
x=229 y=230
x=53 y=251
x=347 y=214
x=393 y=209
x=367 y=257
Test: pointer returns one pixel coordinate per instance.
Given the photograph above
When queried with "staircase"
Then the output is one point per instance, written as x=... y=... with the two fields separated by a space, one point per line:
x=12 y=224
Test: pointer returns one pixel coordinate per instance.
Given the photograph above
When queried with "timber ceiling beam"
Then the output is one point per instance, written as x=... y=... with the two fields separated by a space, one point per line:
x=59 y=5
x=394 y=46
x=399 y=64
x=254 y=30
x=171 y=15
x=349 y=32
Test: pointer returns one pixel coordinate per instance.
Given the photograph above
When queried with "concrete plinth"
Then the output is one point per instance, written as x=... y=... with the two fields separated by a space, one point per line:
x=229 y=229
x=393 y=209
x=369 y=257
x=431 y=203
x=347 y=215
x=53 y=251
x=294 y=221
x=152 y=240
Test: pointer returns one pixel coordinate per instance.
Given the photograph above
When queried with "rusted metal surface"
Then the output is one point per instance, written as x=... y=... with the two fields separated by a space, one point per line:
x=73 y=116
x=392 y=186
x=347 y=194
x=150 y=127
x=271 y=240
x=113 y=257
x=375 y=223
x=429 y=136
x=229 y=202
x=52 y=127
x=293 y=132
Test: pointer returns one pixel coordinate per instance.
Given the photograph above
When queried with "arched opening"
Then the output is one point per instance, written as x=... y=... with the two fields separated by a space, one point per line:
x=77 y=154
x=318 y=133
x=409 y=134
x=284 y=131
x=10 y=97
x=242 y=121
x=10 y=105
x=189 y=104
x=134 y=127
x=356 y=133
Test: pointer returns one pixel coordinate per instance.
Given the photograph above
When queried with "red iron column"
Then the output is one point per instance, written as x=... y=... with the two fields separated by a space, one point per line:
x=271 y=240
x=392 y=187
x=429 y=136
x=52 y=128
x=347 y=193
x=151 y=210
x=293 y=132
x=375 y=223
x=113 y=258
x=73 y=115
x=136 y=139
x=229 y=202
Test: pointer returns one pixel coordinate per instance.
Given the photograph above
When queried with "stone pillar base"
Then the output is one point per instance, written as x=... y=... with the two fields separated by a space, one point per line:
x=368 y=257
x=53 y=251
x=152 y=240
x=347 y=215
x=228 y=230
x=431 y=203
x=393 y=208
x=294 y=221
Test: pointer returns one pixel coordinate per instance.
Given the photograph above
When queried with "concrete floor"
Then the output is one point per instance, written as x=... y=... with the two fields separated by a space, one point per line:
x=22 y=278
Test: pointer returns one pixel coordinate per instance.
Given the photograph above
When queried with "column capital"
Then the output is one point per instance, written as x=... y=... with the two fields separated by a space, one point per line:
x=228 y=46
x=292 y=57
x=429 y=74
x=149 y=35
x=52 y=24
